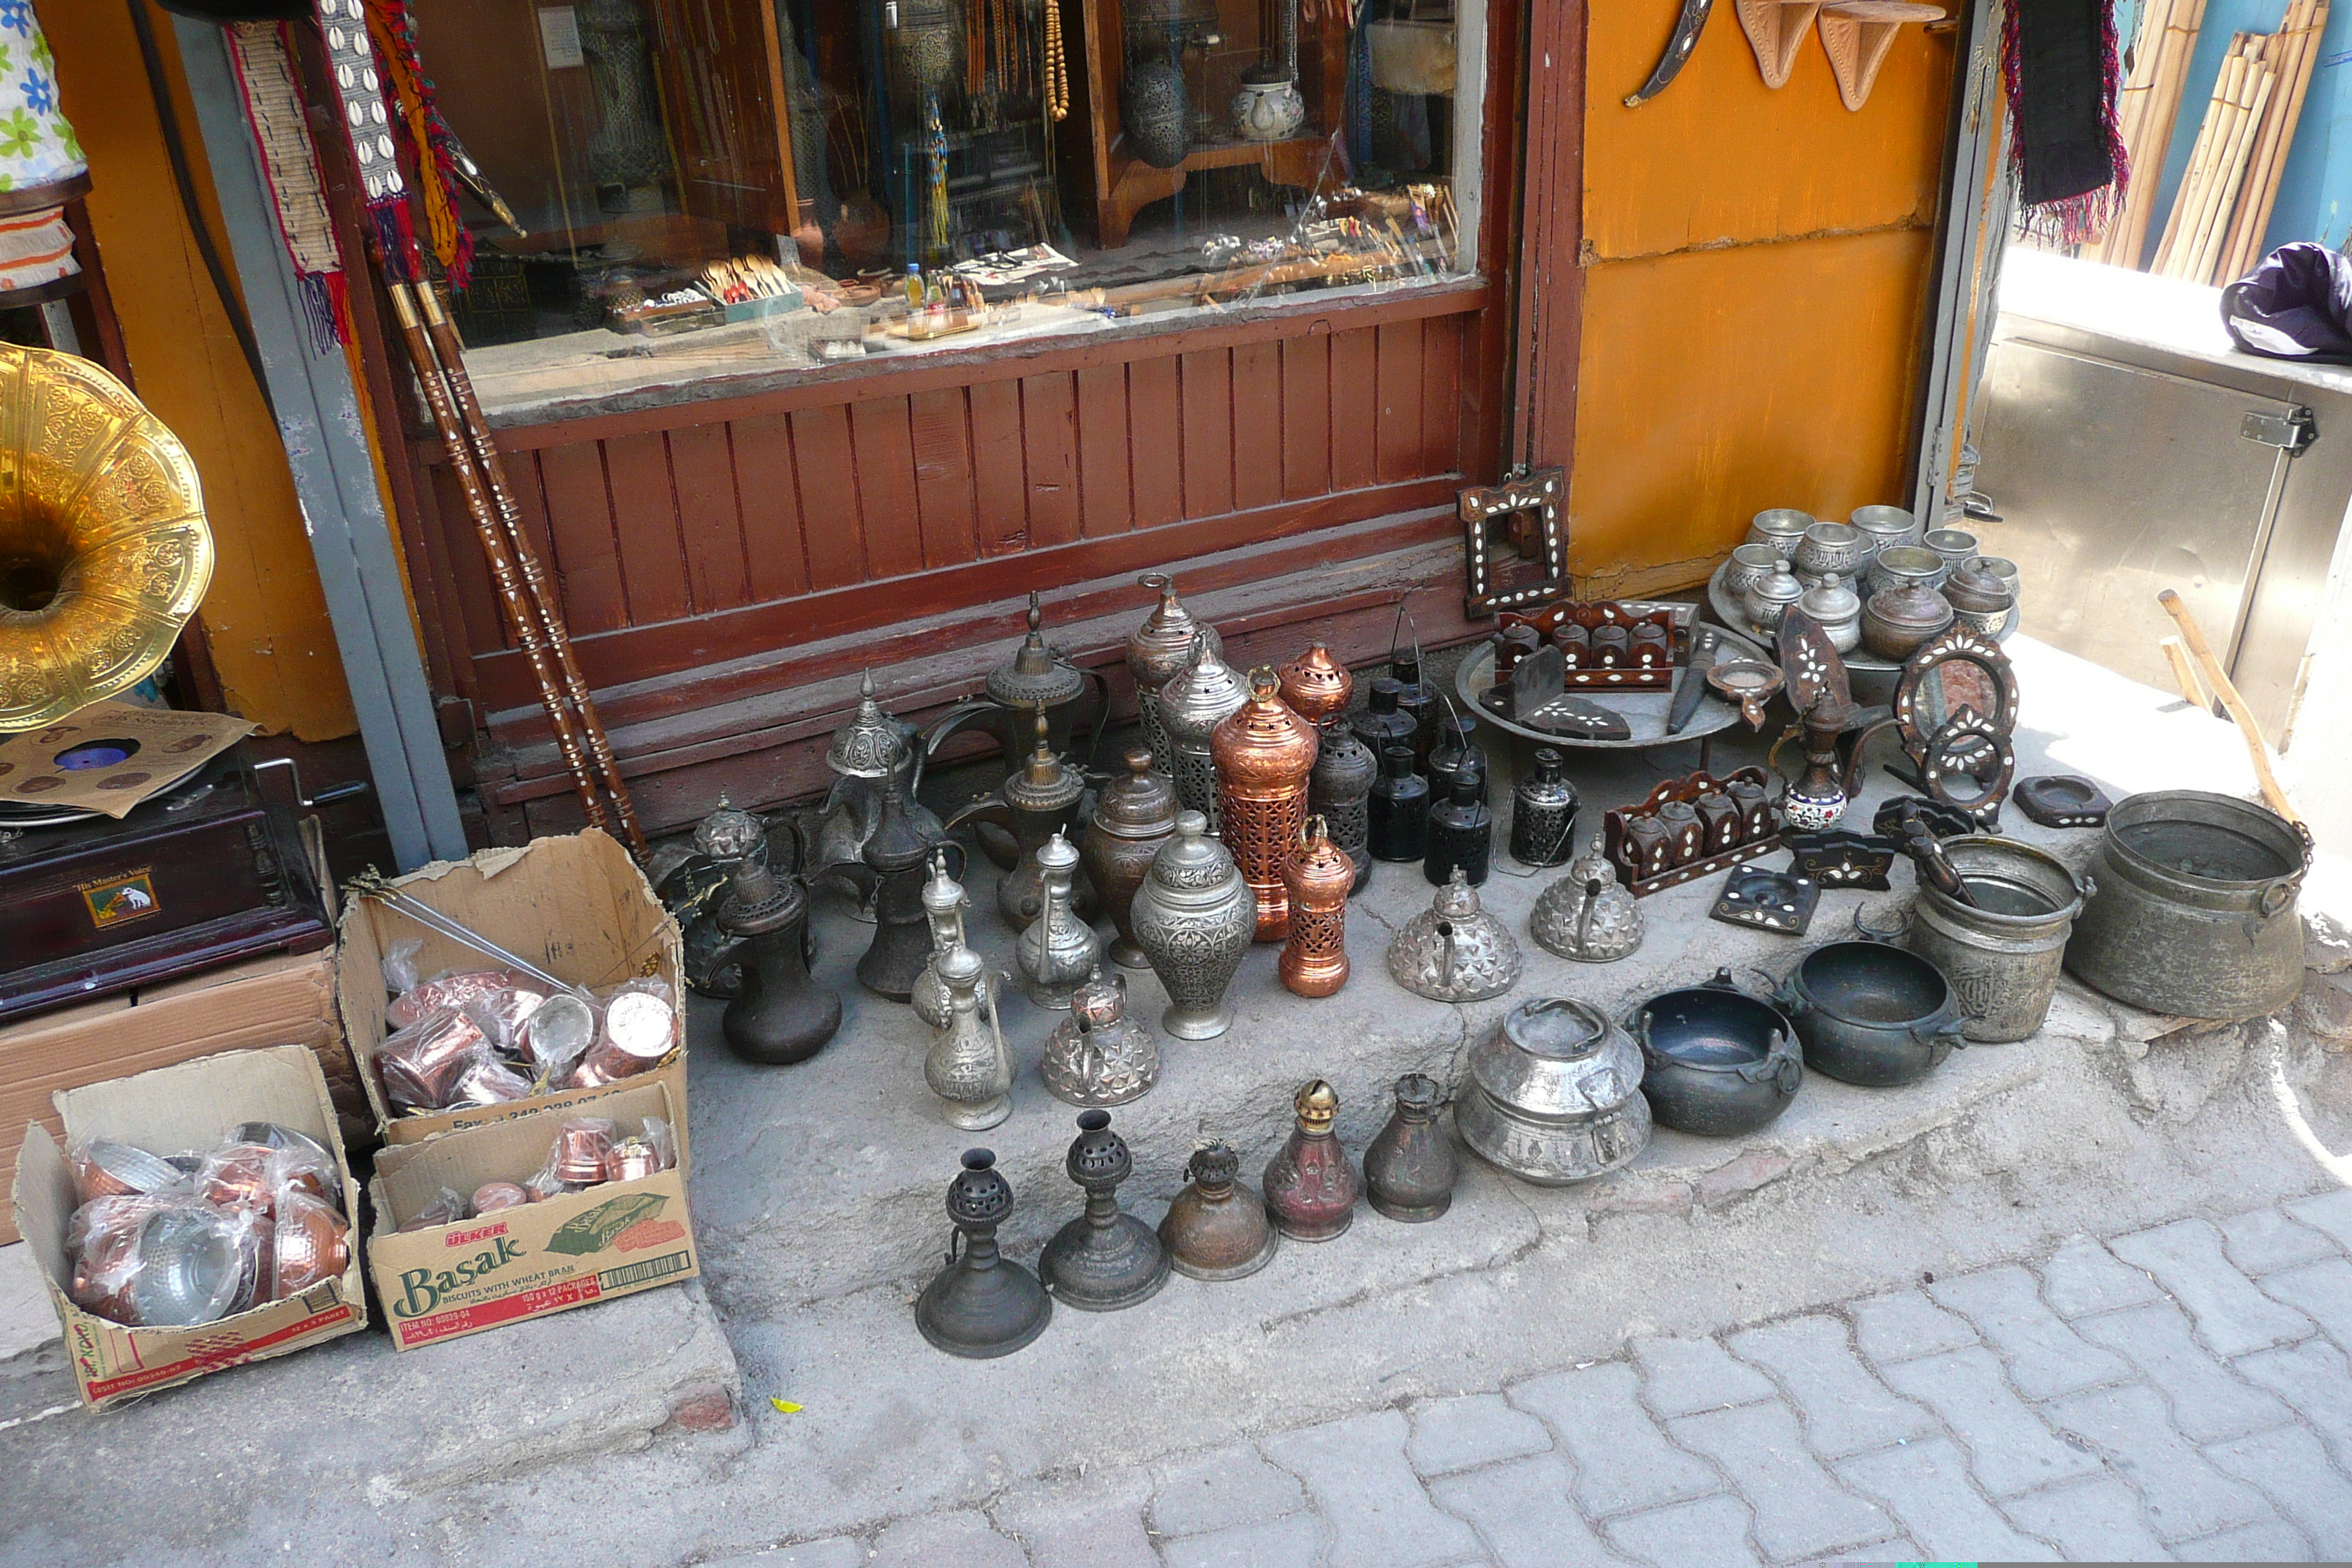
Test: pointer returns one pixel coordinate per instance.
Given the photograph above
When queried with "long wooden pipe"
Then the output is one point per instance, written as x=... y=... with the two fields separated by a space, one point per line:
x=2223 y=687
x=502 y=567
x=541 y=600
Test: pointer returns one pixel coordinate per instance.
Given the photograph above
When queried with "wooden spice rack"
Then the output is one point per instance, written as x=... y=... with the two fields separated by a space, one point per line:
x=1760 y=834
x=1674 y=619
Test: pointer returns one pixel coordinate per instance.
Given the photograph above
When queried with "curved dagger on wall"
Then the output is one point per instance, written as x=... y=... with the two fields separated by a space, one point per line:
x=1687 y=27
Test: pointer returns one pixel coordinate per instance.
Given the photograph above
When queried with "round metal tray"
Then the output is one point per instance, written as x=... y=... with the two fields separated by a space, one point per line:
x=1645 y=712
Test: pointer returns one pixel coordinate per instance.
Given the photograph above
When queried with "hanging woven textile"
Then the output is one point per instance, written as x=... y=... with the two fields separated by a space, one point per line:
x=41 y=167
x=435 y=150
x=367 y=126
x=2059 y=66
x=289 y=167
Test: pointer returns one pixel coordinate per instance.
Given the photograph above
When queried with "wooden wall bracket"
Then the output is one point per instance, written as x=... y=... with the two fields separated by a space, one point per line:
x=1776 y=30
x=1858 y=33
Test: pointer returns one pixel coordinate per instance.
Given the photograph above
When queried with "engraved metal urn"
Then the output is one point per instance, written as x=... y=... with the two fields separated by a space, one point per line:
x=1191 y=705
x=1264 y=753
x=1312 y=1185
x=1035 y=801
x=1104 y=1259
x=1454 y=951
x=1195 y=918
x=1216 y=1228
x=1340 y=791
x=1099 y=1055
x=968 y=1067
x=1160 y=650
x=1409 y=1166
x=981 y=1304
x=1059 y=951
x=1133 y=816
x=944 y=902
x=1554 y=1094
x=1586 y=915
x=1315 y=686
x=1317 y=879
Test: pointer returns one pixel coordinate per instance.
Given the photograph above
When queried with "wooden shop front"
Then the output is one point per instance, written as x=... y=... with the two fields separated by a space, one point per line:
x=1257 y=372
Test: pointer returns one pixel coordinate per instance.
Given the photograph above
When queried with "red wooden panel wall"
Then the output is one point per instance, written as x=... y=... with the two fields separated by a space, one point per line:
x=654 y=529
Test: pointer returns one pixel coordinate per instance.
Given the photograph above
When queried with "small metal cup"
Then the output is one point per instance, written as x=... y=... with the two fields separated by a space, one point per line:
x=1955 y=546
x=1750 y=565
x=1781 y=527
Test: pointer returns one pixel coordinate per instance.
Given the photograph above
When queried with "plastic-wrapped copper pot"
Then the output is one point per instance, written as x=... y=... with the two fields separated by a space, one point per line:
x=1312 y=1185
x=1133 y=817
x=640 y=1031
x=1409 y=1166
x=1216 y=1228
x=1317 y=879
x=582 y=1147
x=422 y=1062
x=1160 y=650
x=309 y=1244
x=1315 y=686
x=1264 y=753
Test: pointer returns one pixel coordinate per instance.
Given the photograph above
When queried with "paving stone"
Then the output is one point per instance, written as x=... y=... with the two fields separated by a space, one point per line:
x=1450 y=1435
x=2232 y=1317
x=1681 y=1376
x=2084 y=1276
x=2329 y=1212
x=964 y=1539
x=841 y=1551
x=2291 y=1468
x=2045 y=1357
x=1800 y=1510
x=1526 y=1511
x=1713 y=1531
x=2264 y=1241
x=1926 y=1486
x=1845 y=1409
x=2209 y=1401
x=1378 y=1515
x=2186 y=1495
x=1292 y=1541
x=2009 y=1447
x=1217 y=1490
x=1094 y=1521
x=1623 y=1462
x=2312 y=1377
x=1905 y=1325
x=2097 y=1521
x=2324 y=1290
x=2275 y=1541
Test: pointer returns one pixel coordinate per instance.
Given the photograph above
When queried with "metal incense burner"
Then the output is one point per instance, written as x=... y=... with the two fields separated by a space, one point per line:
x=1216 y=1228
x=981 y=1304
x=1104 y=1259
x=1191 y=705
x=1264 y=753
x=1160 y=650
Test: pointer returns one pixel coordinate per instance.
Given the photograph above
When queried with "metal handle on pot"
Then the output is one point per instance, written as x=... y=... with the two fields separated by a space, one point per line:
x=1873 y=933
x=1945 y=1029
x=1789 y=999
x=2274 y=897
x=1650 y=1055
x=1779 y=1063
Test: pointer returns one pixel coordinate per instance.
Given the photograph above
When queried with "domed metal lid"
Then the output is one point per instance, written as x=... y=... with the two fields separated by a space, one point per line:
x=869 y=744
x=1973 y=588
x=960 y=966
x=1214 y=1168
x=1193 y=870
x=980 y=1196
x=1830 y=601
x=1032 y=676
x=1263 y=737
x=1457 y=901
x=1161 y=647
x=1317 y=866
x=1592 y=866
x=1196 y=702
x=1558 y=1059
x=1317 y=1104
x=729 y=833
x=1141 y=805
x=1780 y=588
x=1910 y=607
x=1055 y=855
x=1046 y=783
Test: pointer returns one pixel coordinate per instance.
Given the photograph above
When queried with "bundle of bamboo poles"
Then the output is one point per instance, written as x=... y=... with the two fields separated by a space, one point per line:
x=2146 y=113
x=2222 y=208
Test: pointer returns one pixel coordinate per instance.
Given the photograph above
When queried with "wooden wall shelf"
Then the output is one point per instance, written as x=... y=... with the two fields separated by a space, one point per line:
x=1135 y=185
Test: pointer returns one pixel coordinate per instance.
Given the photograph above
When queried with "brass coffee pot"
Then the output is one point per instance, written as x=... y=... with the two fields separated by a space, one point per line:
x=1032 y=805
x=1033 y=678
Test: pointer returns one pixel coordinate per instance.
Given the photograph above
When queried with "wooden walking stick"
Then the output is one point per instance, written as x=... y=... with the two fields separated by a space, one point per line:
x=485 y=524
x=552 y=630
x=2219 y=680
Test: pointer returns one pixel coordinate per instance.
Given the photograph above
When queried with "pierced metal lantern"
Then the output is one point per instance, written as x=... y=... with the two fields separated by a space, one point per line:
x=1160 y=650
x=1104 y=1259
x=1317 y=878
x=1340 y=791
x=1264 y=753
x=1317 y=686
x=1191 y=705
x=981 y=1304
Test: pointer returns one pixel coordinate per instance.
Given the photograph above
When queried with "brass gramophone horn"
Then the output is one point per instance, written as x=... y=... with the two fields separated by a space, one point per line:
x=104 y=554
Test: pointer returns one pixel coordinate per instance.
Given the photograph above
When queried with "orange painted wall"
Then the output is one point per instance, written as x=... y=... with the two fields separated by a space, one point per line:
x=270 y=638
x=1756 y=283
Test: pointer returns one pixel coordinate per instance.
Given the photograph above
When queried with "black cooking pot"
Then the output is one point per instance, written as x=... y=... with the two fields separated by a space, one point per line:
x=1716 y=1061
x=1871 y=1013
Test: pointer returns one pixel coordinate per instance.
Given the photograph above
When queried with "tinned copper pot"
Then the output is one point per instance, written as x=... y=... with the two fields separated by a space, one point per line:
x=1264 y=753
x=309 y=1245
x=1409 y=1166
x=1315 y=686
x=1317 y=880
x=632 y=1159
x=1312 y=1185
x=420 y=1064
x=492 y=1197
x=639 y=1030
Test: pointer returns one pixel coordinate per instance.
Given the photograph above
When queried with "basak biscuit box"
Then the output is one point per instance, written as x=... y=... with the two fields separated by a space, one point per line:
x=443 y=1281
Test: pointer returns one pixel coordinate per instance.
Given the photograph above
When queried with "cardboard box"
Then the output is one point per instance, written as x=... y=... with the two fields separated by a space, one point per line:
x=190 y=1106
x=613 y=1240
x=282 y=999
x=577 y=907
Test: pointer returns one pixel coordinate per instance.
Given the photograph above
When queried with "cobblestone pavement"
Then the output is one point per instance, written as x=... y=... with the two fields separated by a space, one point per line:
x=2178 y=1392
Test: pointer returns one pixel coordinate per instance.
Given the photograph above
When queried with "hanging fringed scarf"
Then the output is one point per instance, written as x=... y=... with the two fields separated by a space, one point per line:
x=289 y=166
x=2059 y=65
x=367 y=125
x=393 y=29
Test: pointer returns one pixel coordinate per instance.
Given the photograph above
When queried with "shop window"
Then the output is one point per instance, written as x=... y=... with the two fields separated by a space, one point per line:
x=721 y=188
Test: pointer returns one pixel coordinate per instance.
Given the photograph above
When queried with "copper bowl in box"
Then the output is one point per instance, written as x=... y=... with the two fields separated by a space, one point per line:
x=253 y=1175
x=195 y=1266
x=581 y=1149
x=311 y=1246
x=492 y=1197
x=420 y=1067
x=633 y=1159
x=639 y=1030
x=111 y=1170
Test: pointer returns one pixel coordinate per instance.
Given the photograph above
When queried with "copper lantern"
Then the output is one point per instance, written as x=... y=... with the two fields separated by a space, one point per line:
x=1317 y=879
x=1264 y=753
x=1316 y=685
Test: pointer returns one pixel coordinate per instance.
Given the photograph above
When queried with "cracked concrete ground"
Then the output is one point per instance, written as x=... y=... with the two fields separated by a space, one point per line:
x=2084 y=1297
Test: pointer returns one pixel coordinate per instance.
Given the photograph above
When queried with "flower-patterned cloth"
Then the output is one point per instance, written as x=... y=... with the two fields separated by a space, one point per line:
x=38 y=147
